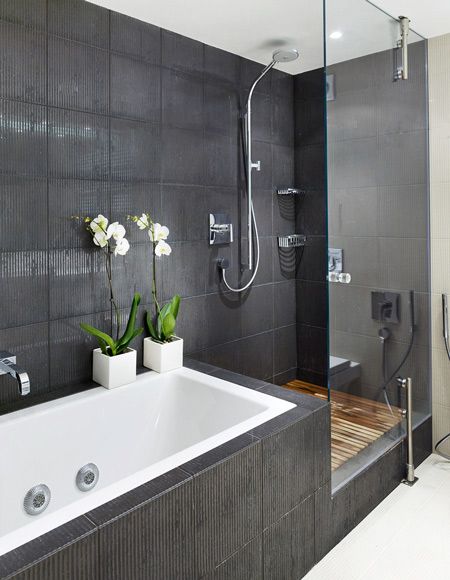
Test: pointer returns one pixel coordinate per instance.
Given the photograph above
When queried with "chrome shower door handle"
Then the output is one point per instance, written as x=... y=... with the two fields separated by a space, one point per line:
x=445 y=326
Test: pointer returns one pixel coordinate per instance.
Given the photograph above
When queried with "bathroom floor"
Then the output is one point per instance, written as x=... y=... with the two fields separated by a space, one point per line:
x=406 y=536
x=356 y=422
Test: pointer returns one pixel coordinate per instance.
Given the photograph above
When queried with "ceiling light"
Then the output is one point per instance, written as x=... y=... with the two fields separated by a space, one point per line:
x=336 y=35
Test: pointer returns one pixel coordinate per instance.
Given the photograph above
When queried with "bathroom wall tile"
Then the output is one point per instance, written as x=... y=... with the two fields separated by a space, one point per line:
x=262 y=152
x=284 y=214
x=229 y=492
x=132 y=273
x=244 y=564
x=364 y=260
x=30 y=345
x=323 y=522
x=354 y=212
x=312 y=348
x=183 y=273
x=80 y=21
x=221 y=103
x=251 y=362
x=20 y=195
x=78 y=145
x=262 y=110
x=23 y=153
x=288 y=463
x=224 y=310
x=182 y=156
x=282 y=167
x=312 y=303
x=285 y=303
x=71 y=198
x=257 y=310
x=262 y=203
x=243 y=380
x=282 y=84
x=285 y=348
x=78 y=76
x=24 y=296
x=22 y=63
x=182 y=99
x=21 y=12
x=265 y=272
x=191 y=317
x=199 y=366
x=165 y=517
x=289 y=543
x=181 y=52
x=135 y=151
x=221 y=160
x=309 y=85
x=402 y=158
x=69 y=550
x=250 y=70
x=128 y=198
x=135 y=89
x=403 y=263
x=393 y=220
x=283 y=121
x=135 y=37
x=312 y=259
x=309 y=122
x=221 y=66
x=285 y=377
x=351 y=163
x=77 y=282
x=66 y=336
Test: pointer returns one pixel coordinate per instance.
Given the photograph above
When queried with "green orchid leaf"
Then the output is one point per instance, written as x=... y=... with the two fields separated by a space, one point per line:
x=169 y=324
x=150 y=327
x=130 y=329
x=100 y=336
x=175 y=305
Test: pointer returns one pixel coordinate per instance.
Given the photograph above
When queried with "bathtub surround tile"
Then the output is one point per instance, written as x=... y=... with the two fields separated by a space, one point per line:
x=70 y=550
x=246 y=564
x=289 y=543
x=238 y=379
x=155 y=540
x=199 y=366
x=21 y=12
x=229 y=493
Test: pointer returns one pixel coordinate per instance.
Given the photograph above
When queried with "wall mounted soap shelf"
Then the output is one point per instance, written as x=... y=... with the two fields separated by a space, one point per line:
x=291 y=191
x=291 y=241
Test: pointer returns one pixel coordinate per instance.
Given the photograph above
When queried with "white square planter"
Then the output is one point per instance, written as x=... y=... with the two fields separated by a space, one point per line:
x=114 y=371
x=163 y=356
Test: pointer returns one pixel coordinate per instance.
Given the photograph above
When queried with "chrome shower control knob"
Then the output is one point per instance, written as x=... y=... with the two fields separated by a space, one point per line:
x=37 y=499
x=87 y=477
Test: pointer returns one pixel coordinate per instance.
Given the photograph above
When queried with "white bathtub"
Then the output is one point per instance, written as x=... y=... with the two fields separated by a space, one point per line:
x=133 y=434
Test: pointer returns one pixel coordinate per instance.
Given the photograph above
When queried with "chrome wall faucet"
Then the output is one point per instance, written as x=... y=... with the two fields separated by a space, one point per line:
x=8 y=367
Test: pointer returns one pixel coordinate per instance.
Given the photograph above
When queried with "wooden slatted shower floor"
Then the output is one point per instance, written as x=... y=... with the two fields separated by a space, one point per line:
x=356 y=422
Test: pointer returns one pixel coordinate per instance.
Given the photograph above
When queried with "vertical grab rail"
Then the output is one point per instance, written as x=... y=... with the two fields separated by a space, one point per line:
x=402 y=71
x=410 y=478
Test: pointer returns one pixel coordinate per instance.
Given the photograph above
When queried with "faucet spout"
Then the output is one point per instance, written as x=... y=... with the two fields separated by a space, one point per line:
x=8 y=366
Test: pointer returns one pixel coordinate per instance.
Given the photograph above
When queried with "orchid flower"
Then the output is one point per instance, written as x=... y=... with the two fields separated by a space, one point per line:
x=157 y=232
x=99 y=224
x=116 y=231
x=142 y=222
x=122 y=247
x=162 y=249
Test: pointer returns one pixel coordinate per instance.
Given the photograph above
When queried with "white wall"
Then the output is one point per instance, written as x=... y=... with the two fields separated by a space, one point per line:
x=439 y=78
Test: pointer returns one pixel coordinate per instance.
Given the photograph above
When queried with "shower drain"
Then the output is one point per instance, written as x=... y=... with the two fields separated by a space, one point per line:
x=87 y=477
x=37 y=499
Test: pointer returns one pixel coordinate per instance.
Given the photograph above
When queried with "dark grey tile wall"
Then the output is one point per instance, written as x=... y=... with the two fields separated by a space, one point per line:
x=378 y=214
x=311 y=220
x=104 y=113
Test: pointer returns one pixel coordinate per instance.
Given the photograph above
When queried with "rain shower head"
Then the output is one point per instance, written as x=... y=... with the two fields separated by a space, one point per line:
x=285 y=55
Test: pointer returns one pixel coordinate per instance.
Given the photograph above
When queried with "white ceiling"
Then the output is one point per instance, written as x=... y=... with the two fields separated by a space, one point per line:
x=254 y=28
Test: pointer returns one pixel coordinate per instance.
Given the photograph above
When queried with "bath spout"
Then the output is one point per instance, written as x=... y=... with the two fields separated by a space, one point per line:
x=8 y=366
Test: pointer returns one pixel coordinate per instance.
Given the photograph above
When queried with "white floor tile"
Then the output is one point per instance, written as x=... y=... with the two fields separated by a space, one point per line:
x=407 y=535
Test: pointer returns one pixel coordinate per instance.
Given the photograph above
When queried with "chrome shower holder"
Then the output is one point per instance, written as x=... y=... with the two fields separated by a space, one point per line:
x=291 y=191
x=291 y=241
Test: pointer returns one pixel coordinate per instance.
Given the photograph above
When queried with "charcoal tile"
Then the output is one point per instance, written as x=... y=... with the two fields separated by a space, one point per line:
x=78 y=145
x=312 y=348
x=135 y=89
x=128 y=198
x=22 y=195
x=238 y=379
x=284 y=303
x=199 y=366
x=229 y=493
x=181 y=52
x=80 y=21
x=289 y=543
x=253 y=364
x=186 y=209
x=23 y=64
x=78 y=76
x=162 y=528
x=312 y=303
x=257 y=310
x=22 y=12
x=30 y=345
x=136 y=38
x=23 y=153
x=221 y=160
x=182 y=100
x=70 y=550
x=288 y=465
x=182 y=161
x=246 y=564
x=285 y=348
x=182 y=272
x=322 y=442
x=221 y=65
x=24 y=296
x=323 y=533
x=221 y=109
x=135 y=151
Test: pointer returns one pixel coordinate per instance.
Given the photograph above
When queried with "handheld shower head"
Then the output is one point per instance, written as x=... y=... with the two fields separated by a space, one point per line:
x=285 y=55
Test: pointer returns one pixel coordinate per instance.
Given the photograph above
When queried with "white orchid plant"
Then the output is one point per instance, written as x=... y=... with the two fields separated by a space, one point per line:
x=110 y=238
x=161 y=325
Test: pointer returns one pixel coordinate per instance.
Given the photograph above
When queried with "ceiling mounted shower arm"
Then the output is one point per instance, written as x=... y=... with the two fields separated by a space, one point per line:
x=402 y=71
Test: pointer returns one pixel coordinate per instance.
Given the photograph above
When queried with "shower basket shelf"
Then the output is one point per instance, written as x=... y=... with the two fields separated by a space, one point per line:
x=291 y=191
x=291 y=241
